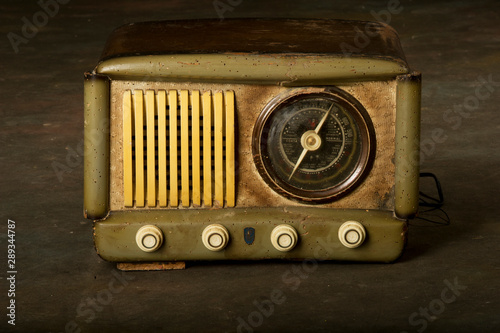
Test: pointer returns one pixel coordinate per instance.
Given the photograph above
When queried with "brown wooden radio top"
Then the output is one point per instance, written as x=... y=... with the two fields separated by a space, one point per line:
x=257 y=36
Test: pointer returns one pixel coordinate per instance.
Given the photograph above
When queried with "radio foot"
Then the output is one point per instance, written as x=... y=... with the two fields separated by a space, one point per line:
x=150 y=266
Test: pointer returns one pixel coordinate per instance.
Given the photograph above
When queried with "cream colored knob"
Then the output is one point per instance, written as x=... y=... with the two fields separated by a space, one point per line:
x=352 y=234
x=149 y=238
x=284 y=237
x=215 y=237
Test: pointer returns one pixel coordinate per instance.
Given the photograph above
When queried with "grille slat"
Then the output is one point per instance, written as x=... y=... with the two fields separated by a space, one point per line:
x=161 y=99
x=178 y=145
x=139 y=149
x=150 y=139
x=195 y=146
x=172 y=136
x=218 y=119
x=229 y=149
x=128 y=150
x=185 y=199
x=207 y=149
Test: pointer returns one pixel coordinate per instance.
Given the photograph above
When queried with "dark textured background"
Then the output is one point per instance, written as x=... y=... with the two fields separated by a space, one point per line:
x=452 y=43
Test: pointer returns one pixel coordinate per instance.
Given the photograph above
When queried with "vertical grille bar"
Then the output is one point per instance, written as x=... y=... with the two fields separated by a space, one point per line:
x=207 y=149
x=172 y=134
x=185 y=148
x=162 y=148
x=139 y=147
x=218 y=143
x=150 y=140
x=128 y=171
x=230 y=148
x=195 y=146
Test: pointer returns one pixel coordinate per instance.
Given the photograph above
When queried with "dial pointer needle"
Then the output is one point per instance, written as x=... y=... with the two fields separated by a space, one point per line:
x=304 y=152
x=318 y=128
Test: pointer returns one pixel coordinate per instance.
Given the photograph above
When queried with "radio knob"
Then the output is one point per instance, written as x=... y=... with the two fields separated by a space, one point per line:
x=215 y=237
x=149 y=238
x=352 y=234
x=284 y=237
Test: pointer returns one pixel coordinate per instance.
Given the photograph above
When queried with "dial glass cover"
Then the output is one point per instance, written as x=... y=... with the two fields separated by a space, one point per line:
x=314 y=146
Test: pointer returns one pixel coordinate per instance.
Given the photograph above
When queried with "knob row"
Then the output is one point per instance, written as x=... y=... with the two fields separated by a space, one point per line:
x=284 y=237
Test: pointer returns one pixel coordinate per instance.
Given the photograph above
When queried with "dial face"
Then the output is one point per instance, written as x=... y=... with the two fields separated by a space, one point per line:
x=313 y=146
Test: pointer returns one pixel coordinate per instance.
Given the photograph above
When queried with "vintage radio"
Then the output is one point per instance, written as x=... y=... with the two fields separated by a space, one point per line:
x=251 y=139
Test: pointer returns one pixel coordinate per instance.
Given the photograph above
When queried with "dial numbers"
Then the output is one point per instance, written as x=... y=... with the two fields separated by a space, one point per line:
x=332 y=140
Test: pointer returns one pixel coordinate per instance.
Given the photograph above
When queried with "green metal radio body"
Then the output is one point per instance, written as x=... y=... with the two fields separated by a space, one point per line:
x=251 y=139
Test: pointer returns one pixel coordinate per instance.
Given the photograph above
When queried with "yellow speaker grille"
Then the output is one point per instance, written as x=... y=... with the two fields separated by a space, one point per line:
x=178 y=148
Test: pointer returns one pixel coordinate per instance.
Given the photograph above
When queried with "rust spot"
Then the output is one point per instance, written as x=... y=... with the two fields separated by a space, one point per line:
x=189 y=63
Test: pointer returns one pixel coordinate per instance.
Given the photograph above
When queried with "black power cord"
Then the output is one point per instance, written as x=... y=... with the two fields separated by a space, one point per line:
x=433 y=212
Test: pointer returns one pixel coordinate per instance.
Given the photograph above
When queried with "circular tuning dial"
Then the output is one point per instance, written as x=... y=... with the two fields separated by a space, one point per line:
x=149 y=238
x=352 y=234
x=313 y=145
x=284 y=237
x=215 y=237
